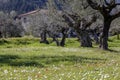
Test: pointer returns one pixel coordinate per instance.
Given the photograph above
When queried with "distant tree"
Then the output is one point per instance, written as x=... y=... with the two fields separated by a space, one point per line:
x=8 y=26
x=47 y=24
x=115 y=28
x=3 y=18
x=39 y=22
x=110 y=11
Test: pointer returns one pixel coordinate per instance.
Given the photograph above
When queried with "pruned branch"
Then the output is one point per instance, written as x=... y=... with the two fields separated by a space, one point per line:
x=89 y=23
x=106 y=2
x=94 y=5
x=105 y=8
x=110 y=5
x=84 y=5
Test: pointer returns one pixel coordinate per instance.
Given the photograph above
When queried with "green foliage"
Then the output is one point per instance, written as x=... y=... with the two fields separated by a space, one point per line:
x=25 y=58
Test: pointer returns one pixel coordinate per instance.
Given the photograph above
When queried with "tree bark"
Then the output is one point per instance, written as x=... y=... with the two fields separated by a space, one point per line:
x=105 y=9
x=56 y=40
x=0 y=34
x=62 y=43
x=118 y=37
x=44 y=38
x=104 y=36
x=96 y=38
x=85 y=39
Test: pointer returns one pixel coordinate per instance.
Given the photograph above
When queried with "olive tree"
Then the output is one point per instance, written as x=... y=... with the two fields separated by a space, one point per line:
x=9 y=27
x=109 y=9
x=49 y=25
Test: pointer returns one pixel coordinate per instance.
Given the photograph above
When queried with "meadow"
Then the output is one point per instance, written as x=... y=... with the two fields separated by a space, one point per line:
x=27 y=59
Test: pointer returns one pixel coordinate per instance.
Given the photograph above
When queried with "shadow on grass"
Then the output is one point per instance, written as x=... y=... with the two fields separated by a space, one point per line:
x=115 y=51
x=15 y=60
x=3 y=41
x=42 y=61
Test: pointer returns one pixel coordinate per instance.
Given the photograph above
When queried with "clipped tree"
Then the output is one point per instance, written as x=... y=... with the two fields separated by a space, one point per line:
x=115 y=28
x=9 y=27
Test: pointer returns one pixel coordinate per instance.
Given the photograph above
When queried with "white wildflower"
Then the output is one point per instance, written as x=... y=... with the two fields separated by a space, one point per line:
x=106 y=76
x=62 y=74
x=45 y=76
x=23 y=71
x=39 y=72
x=29 y=78
x=15 y=71
x=5 y=71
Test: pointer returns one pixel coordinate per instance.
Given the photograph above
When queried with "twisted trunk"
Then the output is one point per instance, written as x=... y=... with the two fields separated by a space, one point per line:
x=44 y=38
x=96 y=38
x=62 y=43
x=56 y=40
x=0 y=34
x=118 y=37
x=84 y=38
x=104 y=36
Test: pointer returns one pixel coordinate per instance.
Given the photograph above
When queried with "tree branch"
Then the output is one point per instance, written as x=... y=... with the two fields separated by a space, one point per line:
x=93 y=5
x=84 y=5
x=112 y=4
x=116 y=15
x=106 y=2
x=89 y=23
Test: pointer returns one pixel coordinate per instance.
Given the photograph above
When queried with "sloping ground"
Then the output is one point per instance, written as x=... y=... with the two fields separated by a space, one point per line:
x=21 y=6
x=27 y=59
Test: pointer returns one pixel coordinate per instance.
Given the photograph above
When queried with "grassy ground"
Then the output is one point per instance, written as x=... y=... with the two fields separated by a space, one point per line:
x=26 y=59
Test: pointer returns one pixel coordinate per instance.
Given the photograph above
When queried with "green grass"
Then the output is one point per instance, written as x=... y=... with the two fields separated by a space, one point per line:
x=27 y=59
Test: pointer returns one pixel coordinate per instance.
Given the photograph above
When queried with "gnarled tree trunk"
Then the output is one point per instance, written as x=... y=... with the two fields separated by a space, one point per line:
x=118 y=37
x=62 y=43
x=44 y=38
x=96 y=38
x=104 y=36
x=105 y=9
x=0 y=34
x=84 y=38
x=56 y=40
